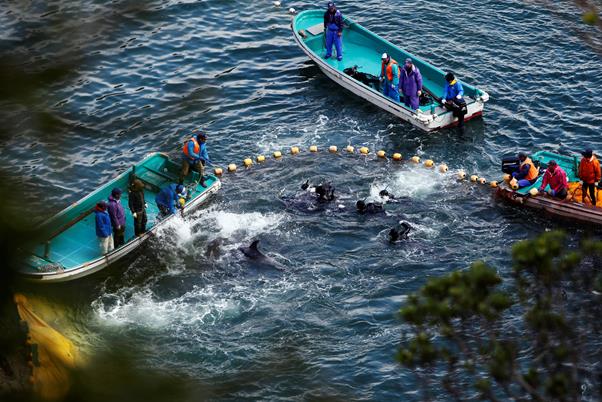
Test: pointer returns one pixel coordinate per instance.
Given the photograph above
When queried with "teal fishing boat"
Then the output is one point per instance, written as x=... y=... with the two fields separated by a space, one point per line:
x=69 y=248
x=363 y=49
x=572 y=208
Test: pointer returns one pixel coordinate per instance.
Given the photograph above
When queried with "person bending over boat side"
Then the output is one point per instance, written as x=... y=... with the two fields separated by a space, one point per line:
x=589 y=173
x=168 y=199
x=556 y=178
x=195 y=157
x=103 y=228
x=137 y=205
x=333 y=30
x=527 y=172
x=389 y=75
x=453 y=98
x=117 y=215
x=410 y=84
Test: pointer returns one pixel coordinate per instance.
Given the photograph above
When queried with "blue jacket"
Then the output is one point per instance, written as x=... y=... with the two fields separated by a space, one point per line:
x=202 y=152
x=103 y=224
x=451 y=91
x=168 y=197
x=333 y=22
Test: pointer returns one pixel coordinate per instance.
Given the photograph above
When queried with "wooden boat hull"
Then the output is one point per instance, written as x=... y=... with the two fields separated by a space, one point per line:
x=94 y=265
x=431 y=118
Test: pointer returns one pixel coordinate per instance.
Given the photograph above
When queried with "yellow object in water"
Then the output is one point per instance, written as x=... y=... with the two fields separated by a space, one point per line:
x=313 y=148
x=232 y=167
x=218 y=171
x=364 y=150
x=277 y=154
x=294 y=150
x=396 y=156
x=474 y=178
x=248 y=162
x=461 y=175
x=333 y=149
x=55 y=358
x=443 y=168
x=429 y=163
x=260 y=158
x=482 y=180
x=350 y=149
x=493 y=184
x=381 y=154
x=415 y=159
x=507 y=178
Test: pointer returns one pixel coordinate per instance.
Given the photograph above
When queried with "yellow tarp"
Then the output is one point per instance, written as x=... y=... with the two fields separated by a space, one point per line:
x=576 y=194
x=54 y=356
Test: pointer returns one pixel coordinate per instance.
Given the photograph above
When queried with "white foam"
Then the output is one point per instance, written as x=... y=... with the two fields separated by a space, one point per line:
x=250 y=224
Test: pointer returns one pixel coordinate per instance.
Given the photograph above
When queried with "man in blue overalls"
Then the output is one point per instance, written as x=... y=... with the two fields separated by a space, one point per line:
x=333 y=29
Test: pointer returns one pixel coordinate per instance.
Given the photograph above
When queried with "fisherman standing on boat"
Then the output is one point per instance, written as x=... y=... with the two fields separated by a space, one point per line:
x=103 y=228
x=389 y=75
x=527 y=172
x=117 y=214
x=589 y=173
x=556 y=178
x=168 y=199
x=453 y=98
x=410 y=84
x=195 y=157
x=333 y=30
x=137 y=205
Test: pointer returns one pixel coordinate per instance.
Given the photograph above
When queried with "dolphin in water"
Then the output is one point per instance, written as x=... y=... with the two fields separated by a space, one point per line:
x=254 y=254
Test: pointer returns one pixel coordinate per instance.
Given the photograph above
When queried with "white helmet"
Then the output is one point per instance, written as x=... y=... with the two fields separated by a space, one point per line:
x=385 y=56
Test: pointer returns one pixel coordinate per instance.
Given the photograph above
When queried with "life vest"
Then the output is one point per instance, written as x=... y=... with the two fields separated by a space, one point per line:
x=197 y=147
x=533 y=171
x=389 y=69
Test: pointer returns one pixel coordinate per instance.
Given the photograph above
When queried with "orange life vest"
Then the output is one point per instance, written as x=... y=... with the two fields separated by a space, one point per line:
x=389 y=68
x=197 y=147
x=533 y=171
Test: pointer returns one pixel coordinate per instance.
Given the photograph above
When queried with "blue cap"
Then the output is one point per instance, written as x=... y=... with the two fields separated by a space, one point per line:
x=116 y=192
x=409 y=61
x=179 y=189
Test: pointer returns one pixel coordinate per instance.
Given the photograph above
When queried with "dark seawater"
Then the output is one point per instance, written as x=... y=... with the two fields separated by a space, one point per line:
x=327 y=325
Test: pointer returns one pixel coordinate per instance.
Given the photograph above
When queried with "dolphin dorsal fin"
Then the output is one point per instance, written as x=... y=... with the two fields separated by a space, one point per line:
x=254 y=245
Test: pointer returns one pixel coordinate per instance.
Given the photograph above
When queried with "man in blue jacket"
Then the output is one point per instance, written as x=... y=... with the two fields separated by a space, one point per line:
x=333 y=30
x=453 y=98
x=195 y=157
x=168 y=199
x=103 y=228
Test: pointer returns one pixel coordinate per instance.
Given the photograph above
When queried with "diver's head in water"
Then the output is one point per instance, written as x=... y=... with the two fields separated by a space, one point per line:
x=361 y=205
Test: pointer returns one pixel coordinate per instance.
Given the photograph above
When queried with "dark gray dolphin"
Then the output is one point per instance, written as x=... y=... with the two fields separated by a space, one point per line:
x=254 y=254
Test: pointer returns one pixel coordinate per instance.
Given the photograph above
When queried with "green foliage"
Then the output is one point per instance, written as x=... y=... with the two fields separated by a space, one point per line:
x=464 y=324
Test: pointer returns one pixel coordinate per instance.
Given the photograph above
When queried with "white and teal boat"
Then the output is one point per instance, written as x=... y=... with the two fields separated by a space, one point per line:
x=69 y=247
x=363 y=48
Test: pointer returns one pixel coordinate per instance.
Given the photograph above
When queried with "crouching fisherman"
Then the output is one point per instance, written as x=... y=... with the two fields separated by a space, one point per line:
x=556 y=178
x=168 y=199
x=103 y=228
x=453 y=98
x=137 y=205
x=195 y=157
x=527 y=172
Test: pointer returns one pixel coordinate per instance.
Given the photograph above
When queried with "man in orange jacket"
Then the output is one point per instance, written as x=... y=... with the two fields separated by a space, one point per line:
x=589 y=172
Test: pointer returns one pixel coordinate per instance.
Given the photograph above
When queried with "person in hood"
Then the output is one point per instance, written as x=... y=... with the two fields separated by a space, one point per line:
x=333 y=30
x=168 y=199
x=556 y=178
x=137 y=205
x=410 y=84
x=103 y=228
x=589 y=173
x=117 y=215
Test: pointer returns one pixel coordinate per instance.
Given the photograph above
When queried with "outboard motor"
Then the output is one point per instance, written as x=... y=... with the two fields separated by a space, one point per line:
x=510 y=165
